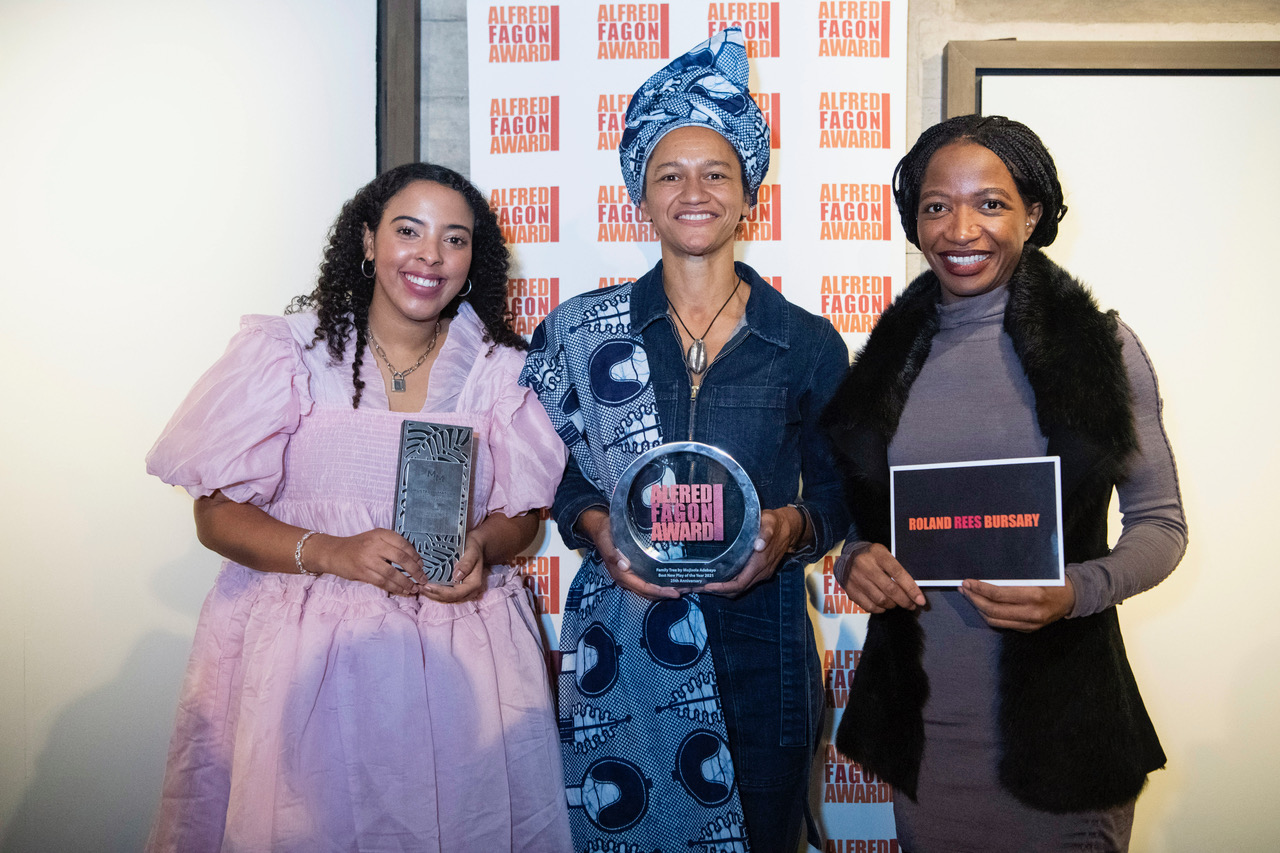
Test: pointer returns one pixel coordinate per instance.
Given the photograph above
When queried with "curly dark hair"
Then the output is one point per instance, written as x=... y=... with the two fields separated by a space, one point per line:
x=1017 y=146
x=343 y=293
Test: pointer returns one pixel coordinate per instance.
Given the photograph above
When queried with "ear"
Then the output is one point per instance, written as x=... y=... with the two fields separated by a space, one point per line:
x=643 y=207
x=368 y=244
x=747 y=207
x=1033 y=217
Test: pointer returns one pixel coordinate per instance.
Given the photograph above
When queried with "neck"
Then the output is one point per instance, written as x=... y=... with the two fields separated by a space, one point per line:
x=698 y=287
x=398 y=333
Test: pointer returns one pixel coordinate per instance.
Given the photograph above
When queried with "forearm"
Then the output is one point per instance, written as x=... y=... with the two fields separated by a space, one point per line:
x=245 y=534
x=1144 y=556
x=574 y=497
x=501 y=538
x=823 y=494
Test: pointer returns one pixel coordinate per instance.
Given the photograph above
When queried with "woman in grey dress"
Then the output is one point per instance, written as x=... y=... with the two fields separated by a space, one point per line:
x=1006 y=717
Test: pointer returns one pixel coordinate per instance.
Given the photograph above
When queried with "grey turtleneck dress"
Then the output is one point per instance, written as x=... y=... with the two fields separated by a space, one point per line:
x=972 y=401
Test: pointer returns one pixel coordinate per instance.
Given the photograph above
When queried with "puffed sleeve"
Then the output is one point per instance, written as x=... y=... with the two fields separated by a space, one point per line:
x=528 y=455
x=231 y=432
x=1154 y=536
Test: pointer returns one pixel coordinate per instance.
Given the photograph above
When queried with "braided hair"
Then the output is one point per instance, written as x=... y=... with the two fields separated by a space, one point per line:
x=1017 y=146
x=342 y=294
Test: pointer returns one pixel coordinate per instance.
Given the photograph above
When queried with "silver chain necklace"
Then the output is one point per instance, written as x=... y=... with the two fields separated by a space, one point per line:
x=696 y=357
x=397 y=376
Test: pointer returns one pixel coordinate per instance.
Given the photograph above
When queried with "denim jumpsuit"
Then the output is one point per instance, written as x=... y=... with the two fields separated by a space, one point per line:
x=759 y=401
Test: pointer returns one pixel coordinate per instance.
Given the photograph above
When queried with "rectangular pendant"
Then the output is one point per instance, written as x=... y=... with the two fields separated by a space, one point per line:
x=397 y=383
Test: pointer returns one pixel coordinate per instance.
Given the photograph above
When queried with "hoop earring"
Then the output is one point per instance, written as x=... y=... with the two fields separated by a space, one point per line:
x=467 y=291
x=369 y=273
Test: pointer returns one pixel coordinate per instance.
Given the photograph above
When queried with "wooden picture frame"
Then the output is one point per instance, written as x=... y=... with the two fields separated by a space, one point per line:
x=965 y=63
x=399 y=60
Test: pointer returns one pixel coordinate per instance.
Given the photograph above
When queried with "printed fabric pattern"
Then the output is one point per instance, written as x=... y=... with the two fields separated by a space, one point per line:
x=642 y=732
x=706 y=87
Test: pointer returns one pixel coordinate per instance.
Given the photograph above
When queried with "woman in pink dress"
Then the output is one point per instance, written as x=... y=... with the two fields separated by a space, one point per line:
x=332 y=701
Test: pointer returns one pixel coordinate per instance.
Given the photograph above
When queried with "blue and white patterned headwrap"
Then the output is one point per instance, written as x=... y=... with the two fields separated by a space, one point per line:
x=707 y=86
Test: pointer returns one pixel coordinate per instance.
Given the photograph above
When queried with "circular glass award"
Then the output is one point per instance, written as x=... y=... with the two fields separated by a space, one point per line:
x=685 y=514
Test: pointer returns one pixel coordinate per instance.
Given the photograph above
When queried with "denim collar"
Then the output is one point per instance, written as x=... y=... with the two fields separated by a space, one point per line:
x=767 y=316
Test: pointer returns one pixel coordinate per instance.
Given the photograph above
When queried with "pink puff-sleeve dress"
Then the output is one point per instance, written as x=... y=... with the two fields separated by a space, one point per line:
x=319 y=714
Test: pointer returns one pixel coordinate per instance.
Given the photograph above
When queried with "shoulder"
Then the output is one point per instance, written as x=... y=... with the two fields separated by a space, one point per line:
x=287 y=334
x=1137 y=362
x=801 y=329
x=608 y=308
x=291 y=331
x=503 y=361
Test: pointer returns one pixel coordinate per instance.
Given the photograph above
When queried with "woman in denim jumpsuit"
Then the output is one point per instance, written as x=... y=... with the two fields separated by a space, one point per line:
x=700 y=348
x=758 y=401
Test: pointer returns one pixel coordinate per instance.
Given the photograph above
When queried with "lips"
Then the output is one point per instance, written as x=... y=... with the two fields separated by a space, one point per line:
x=965 y=263
x=423 y=282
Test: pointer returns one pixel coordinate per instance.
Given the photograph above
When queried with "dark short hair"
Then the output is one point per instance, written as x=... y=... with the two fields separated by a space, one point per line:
x=342 y=294
x=1017 y=146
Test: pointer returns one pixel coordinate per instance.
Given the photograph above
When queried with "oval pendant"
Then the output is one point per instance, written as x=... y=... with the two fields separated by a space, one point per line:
x=696 y=358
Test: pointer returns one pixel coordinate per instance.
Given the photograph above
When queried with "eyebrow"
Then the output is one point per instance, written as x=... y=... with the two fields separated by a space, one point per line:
x=983 y=191
x=417 y=221
x=721 y=163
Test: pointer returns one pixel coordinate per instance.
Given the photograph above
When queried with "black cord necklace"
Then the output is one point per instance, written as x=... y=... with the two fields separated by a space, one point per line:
x=696 y=357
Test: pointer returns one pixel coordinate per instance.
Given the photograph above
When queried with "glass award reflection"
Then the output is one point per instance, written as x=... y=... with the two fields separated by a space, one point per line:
x=685 y=514
x=433 y=490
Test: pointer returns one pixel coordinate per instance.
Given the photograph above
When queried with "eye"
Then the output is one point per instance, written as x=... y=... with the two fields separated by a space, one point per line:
x=406 y=231
x=933 y=207
x=993 y=204
x=456 y=240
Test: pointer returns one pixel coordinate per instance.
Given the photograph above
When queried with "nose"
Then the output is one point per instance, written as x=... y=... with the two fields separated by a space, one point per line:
x=693 y=191
x=429 y=252
x=962 y=226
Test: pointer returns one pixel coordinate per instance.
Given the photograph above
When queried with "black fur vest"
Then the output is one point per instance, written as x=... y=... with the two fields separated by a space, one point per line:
x=1075 y=734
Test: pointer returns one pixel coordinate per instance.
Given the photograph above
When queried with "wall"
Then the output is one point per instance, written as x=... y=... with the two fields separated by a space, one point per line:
x=167 y=167
x=933 y=23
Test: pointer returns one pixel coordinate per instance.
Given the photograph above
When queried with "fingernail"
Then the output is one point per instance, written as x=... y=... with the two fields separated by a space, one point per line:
x=625 y=565
x=759 y=545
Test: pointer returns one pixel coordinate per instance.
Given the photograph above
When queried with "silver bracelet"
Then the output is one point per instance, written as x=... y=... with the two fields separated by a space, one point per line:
x=805 y=524
x=297 y=554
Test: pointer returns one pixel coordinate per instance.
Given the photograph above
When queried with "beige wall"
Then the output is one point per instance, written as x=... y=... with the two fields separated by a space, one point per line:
x=164 y=168
x=933 y=23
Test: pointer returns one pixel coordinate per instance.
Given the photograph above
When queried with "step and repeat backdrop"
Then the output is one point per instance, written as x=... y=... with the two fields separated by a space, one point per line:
x=549 y=87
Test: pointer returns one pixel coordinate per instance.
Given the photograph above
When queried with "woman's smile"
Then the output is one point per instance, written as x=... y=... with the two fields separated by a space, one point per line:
x=972 y=221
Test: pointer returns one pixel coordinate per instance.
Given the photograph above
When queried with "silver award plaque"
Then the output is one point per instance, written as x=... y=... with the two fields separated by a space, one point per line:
x=685 y=514
x=433 y=491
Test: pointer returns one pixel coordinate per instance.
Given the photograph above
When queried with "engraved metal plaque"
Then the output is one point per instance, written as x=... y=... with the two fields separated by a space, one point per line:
x=433 y=491
x=685 y=514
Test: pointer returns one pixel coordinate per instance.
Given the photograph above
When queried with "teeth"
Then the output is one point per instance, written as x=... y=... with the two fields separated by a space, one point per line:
x=696 y=216
x=420 y=281
x=966 y=260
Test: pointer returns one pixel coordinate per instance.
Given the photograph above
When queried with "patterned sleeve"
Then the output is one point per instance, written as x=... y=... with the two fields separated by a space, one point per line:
x=231 y=432
x=546 y=375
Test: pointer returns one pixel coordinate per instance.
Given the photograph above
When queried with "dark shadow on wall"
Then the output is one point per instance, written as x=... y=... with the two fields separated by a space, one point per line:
x=96 y=783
